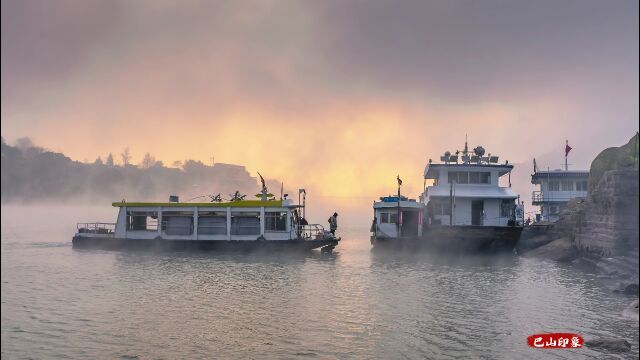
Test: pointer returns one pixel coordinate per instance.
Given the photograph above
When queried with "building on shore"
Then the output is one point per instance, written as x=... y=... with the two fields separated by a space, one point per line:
x=557 y=187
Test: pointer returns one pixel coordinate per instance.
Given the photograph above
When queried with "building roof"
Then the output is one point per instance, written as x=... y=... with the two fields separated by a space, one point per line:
x=473 y=191
x=557 y=174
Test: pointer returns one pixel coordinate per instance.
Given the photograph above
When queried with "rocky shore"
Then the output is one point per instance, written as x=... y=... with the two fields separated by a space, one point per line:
x=600 y=232
x=602 y=226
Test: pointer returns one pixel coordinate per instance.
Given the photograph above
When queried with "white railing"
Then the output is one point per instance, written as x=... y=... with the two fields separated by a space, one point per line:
x=308 y=232
x=96 y=228
x=542 y=196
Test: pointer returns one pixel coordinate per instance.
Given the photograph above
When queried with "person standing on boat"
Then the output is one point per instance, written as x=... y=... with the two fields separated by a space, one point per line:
x=333 y=223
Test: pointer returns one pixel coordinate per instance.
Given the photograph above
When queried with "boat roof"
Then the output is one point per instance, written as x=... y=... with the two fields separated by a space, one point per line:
x=473 y=191
x=432 y=171
x=239 y=204
x=403 y=204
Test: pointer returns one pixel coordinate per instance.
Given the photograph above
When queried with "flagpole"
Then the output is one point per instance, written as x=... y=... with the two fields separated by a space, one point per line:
x=398 y=220
x=566 y=153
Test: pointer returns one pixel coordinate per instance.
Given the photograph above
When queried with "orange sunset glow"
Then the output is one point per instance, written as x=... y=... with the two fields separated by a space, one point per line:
x=274 y=87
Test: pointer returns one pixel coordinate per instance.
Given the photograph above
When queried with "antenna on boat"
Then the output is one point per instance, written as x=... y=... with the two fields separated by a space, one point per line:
x=466 y=146
x=237 y=196
x=304 y=200
x=216 y=198
x=264 y=188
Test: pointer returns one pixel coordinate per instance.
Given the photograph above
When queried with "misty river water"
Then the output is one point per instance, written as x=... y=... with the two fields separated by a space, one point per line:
x=58 y=302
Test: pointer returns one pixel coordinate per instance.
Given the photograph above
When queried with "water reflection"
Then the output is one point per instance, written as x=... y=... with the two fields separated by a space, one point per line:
x=354 y=303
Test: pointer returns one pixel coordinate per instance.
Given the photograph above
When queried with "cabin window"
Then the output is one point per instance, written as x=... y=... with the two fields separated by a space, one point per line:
x=463 y=177
x=177 y=222
x=479 y=177
x=275 y=221
x=554 y=210
x=389 y=218
x=506 y=208
x=459 y=177
x=245 y=223
x=442 y=207
x=393 y=218
x=581 y=185
x=142 y=220
x=554 y=186
x=567 y=186
x=212 y=223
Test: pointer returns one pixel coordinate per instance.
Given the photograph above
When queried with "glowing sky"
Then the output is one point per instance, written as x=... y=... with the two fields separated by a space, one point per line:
x=339 y=96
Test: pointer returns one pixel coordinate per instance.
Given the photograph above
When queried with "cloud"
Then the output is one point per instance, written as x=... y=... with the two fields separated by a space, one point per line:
x=340 y=95
x=472 y=50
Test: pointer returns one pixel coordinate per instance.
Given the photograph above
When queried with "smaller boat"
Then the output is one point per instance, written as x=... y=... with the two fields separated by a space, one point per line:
x=238 y=224
x=397 y=217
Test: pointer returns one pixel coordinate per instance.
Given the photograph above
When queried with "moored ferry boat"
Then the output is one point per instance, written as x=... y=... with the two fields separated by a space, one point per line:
x=234 y=225
x=397 y=217
x=464 y=208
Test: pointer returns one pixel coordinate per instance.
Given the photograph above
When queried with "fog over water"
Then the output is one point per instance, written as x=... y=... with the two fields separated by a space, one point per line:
x=137 y=100
x=356 y=303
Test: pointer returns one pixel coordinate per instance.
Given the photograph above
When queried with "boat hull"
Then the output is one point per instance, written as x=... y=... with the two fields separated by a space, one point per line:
x=111 y=243
x=471 y=239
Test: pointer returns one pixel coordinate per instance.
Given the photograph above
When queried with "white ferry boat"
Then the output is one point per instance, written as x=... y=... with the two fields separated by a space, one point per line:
x=238 y=224
x=463 y=207
x=397 y=217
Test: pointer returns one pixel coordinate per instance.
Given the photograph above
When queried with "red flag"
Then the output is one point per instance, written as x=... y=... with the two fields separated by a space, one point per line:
x=567 y=149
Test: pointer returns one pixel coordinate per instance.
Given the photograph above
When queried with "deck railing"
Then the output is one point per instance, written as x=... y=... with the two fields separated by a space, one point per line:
x=96 y=228
x=309 y=232
x=560 y=196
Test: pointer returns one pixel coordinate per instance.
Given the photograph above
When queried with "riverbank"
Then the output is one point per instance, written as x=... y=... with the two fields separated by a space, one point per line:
x=599 y=233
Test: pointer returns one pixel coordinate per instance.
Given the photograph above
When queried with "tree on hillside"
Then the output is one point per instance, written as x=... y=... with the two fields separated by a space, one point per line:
x=126 y=157
x=98 y=161
x=194 y=166
x=24 y=143
x=109 y=161
x=177 y=164
x=37 y=174
x=27 y=147
x=148 y=161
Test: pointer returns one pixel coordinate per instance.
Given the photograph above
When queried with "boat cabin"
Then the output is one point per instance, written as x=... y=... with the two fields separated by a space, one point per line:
x=397 y=217
x=236 y=220
x=467 y=191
